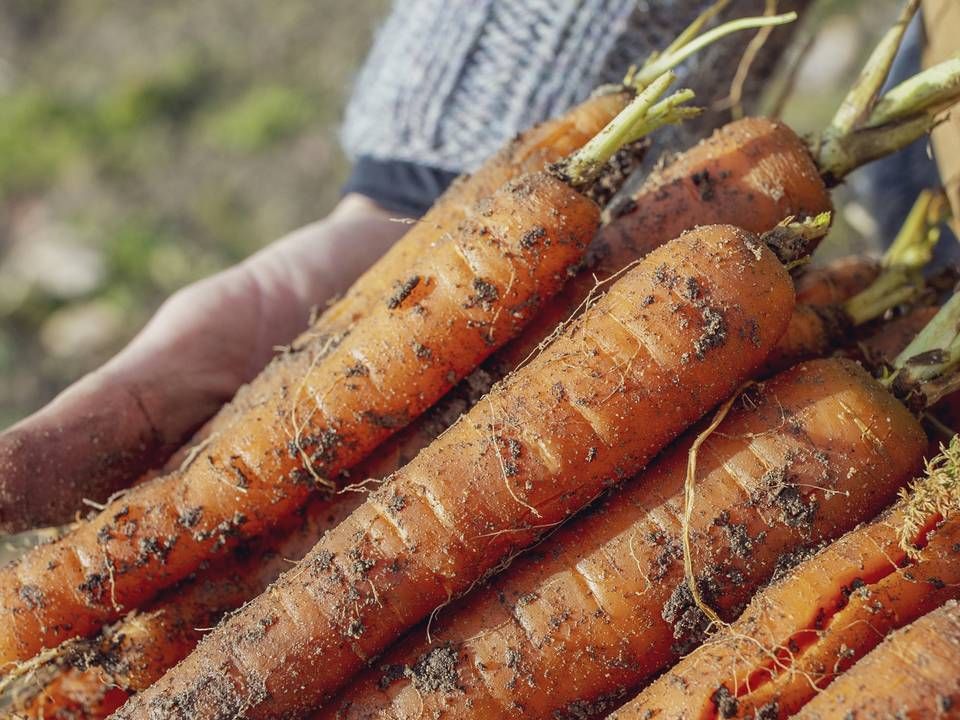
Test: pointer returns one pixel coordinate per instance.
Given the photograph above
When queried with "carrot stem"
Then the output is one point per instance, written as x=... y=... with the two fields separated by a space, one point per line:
x=790 y=241
x=646 y=112
x=688 y=43
x=901 y=277
x=861 y=98
x=865 y=128
x=929 y=90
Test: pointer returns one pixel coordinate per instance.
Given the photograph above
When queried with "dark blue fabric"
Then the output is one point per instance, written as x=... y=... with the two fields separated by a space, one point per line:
x=401 y=187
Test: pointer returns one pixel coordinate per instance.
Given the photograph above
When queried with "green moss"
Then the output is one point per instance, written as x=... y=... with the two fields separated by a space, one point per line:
x=170 y=95
x=40 y=134
x=264 y=115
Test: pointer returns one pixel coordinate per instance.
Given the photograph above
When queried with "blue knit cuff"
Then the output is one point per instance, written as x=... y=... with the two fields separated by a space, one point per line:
x=406 y=188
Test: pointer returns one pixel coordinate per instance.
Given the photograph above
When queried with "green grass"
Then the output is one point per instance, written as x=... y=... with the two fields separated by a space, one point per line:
x=172 y=138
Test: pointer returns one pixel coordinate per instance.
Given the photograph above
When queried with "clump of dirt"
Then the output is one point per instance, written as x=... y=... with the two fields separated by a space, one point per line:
x=689 y=622
x=435 y=671
x=485 y=294
x=725 y=702
x=533 y=237
x=403 y=292
x=714 y=332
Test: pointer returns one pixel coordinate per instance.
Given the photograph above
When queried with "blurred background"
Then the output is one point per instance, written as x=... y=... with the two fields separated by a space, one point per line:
x=144 y=145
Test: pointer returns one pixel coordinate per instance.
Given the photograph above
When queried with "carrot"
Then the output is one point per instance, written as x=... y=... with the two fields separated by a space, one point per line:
x=603 y=605
x=834 y=282
x=532 y=151
x=839 y=296
x=316 y=413
x=132 y=654
x=753 y=173
x=802 y=632
x=912 y=675
x=841 y=279
x=670 y=339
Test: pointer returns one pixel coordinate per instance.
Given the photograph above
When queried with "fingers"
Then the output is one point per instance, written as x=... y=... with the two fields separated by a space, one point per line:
x=129 y=416
x=87 y=443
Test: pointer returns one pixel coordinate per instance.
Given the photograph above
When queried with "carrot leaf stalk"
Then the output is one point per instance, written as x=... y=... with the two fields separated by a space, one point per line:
x=689 y=43
x=645 y=113
x=926 y=370
x=927 y=91
x=867 y=126
x=901 y=276
x=862 y=97
x=935 y=494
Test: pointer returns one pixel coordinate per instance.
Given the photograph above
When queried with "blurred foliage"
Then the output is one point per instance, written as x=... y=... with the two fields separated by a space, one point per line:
x=145 y=145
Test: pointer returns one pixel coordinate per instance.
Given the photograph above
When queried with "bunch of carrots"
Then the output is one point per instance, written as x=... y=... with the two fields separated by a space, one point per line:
x=546 y=459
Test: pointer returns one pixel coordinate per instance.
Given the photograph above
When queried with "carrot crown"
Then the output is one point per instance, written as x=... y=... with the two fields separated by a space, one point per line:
x=866 y=126
x=645 y=113
x=901 y=274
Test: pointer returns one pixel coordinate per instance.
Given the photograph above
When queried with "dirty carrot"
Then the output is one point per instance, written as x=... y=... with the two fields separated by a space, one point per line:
x=99 y=675
x=753 y=173
x=671 y=338
x=603 y=605
x=913 y=674
x=819 y=618
x=532 y=151
x=316 y=412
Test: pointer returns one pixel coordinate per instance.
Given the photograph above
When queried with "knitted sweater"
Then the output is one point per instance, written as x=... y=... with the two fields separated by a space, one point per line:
x=448 y=82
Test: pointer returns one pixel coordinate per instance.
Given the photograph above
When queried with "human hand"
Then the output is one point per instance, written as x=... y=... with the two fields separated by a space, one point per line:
x=128 y=416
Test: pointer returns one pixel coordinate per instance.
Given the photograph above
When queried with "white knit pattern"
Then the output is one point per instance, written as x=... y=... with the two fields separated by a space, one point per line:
x=448 y=82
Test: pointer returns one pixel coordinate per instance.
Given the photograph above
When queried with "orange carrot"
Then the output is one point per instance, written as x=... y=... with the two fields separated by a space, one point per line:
x=798 y=635
x=98 y=676
x=310 y=415
x=316 y=413
x=834 y=282
x=531 y=151
x=669 y=340
x=914 y=674
x=603 y=605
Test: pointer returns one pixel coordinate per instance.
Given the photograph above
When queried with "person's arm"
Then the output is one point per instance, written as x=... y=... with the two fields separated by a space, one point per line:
x=202 y=344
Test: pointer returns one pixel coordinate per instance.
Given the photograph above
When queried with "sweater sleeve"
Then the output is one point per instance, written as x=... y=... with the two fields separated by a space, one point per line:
x=448 y=82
